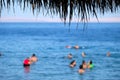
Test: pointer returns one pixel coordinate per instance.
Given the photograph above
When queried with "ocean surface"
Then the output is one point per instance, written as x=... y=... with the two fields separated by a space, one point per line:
x=49 y=40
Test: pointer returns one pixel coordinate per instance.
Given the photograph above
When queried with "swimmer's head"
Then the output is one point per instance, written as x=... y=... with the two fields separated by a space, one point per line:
x=33 y=54
x=81 y=67
x=90 y=61
x=83 y=61
x=72 y=62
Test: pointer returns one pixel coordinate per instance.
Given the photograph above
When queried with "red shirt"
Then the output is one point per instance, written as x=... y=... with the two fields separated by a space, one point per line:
x=26 y=61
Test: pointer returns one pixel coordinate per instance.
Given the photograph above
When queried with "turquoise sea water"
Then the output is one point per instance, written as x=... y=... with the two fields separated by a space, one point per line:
x=48 y=41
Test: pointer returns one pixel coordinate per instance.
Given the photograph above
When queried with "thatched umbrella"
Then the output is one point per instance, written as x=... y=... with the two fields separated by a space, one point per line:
x=83 y=9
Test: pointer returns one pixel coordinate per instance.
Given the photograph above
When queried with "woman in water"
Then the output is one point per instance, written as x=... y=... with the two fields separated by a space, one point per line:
x=90 y=65
x=81 y=70
x=73 y=64
x=26 y=62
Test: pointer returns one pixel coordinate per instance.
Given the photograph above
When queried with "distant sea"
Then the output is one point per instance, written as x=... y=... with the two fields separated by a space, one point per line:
x=49 y=40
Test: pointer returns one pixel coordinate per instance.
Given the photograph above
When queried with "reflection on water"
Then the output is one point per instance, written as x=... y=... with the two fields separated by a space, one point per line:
x=27 y=69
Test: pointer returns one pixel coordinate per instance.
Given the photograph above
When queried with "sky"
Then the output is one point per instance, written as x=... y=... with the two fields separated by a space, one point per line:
x=27 y=16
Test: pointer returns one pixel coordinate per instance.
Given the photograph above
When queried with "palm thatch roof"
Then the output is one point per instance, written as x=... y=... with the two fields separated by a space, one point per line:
x=65 y=8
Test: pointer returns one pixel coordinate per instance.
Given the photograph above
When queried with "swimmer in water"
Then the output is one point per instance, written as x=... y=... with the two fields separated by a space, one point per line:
x=73 y=64
x=84 y=64
x=33 y=58
x=83 y=54
x=108 y=54
x=76 y=47
x=26 y=62
x=90 y=64
x=81 y=70
x=70 y=56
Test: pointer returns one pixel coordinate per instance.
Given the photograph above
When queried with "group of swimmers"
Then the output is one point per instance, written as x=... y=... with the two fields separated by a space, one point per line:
x=83 y=66
x=29 y=60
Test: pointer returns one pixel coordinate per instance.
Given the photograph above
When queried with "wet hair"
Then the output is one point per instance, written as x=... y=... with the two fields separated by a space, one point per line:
x=33 y=54
x=83 y=61
x=81 y=67
x=72 y=62
x=90 y=61
x=70 y=54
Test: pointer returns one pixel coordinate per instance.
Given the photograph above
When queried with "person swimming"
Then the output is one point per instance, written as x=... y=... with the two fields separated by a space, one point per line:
x=70 y=56
x=33 y=58
x=68 y=46
x=108 y=54
x=76 y=47
x=26 y=62
x=83 y=54
x=73 y=64
x=84 y=64
x=90 y=64
x=81 y=70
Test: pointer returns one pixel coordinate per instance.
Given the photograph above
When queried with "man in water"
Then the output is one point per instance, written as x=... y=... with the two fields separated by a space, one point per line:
x=84 y=64
x=33 y=58
x=81 y=70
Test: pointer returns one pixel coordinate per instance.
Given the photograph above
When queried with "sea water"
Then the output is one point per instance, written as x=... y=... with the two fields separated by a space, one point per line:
x=49 y=40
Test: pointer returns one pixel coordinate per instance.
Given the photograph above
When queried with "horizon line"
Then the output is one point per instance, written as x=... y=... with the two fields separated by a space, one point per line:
x=56 y=20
